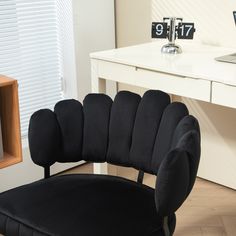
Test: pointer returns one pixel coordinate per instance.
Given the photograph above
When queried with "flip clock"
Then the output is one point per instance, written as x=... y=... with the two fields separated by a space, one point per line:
x=172 y=28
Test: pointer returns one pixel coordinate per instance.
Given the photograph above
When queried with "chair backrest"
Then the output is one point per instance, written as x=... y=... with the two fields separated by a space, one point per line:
x=131 y=131
x=149 y=133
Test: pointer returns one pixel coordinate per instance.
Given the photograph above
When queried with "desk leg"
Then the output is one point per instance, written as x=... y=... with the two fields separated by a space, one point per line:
x=101 y=86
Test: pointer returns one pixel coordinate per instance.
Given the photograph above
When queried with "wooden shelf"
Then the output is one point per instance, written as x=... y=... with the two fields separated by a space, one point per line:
x=10 y=122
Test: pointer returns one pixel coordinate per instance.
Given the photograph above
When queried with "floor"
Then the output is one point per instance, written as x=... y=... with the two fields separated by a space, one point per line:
x=210 y=210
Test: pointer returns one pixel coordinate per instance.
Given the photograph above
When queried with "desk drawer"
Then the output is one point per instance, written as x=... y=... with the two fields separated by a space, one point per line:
x=174 y=84
x=116 y=72
x=223 y=94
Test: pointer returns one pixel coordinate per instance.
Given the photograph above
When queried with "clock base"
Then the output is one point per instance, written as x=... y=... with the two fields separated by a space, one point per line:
x=171 y=49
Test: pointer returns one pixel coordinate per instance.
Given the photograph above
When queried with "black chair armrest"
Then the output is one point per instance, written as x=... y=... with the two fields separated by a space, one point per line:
x=177 y=174
x=172 y=182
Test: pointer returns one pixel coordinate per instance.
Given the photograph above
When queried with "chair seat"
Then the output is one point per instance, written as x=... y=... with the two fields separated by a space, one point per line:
x=81 y=205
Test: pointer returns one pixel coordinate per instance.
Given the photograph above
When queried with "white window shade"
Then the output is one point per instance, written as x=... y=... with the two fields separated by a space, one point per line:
x=30 y=52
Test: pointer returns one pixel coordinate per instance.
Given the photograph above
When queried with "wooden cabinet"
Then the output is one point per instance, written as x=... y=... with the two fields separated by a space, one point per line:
x=10 y=122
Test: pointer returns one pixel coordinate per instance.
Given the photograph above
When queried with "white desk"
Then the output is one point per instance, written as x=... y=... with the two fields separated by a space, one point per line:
x=192 y=74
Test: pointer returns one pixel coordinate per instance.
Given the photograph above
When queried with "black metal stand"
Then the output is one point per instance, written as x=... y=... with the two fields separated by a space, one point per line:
x=166 y=226
x=46 y=172
x=140 y=177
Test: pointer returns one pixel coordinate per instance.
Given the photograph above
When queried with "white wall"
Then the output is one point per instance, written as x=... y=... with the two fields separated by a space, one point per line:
x=95 y=31
x=133 y=26
x=133 y=22
x=213 y=18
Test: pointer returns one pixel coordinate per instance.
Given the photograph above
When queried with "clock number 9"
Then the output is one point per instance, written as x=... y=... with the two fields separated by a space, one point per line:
x=159 y=30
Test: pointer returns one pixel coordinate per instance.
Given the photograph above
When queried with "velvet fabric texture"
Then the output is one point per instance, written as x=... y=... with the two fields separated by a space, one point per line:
x=75 y=205
x=131 y=131
x=149 y=134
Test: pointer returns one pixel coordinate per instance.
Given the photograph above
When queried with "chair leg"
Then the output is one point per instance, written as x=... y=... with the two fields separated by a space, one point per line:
x=140 y=176
x=166 y=226
x=46 y=172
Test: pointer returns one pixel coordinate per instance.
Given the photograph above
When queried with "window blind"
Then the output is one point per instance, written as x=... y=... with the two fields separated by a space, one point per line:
x=30 y=53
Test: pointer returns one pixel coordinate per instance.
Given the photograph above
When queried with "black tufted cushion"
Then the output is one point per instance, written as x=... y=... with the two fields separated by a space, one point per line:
x=85 y=205
x=172 y=115
x=45 y=138
x=69 y=114
x=177 y=171
x=187 y=137
x=172 y=182
x=97 y=109
x=146 y=127
x=122 y=120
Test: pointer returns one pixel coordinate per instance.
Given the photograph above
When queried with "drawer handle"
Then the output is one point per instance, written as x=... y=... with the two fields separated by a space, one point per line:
x=160 y=72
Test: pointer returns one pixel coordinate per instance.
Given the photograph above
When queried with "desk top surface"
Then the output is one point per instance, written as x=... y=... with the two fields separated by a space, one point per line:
x=196 y=61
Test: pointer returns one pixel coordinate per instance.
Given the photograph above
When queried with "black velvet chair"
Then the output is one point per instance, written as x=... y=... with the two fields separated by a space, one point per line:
x=149 y=133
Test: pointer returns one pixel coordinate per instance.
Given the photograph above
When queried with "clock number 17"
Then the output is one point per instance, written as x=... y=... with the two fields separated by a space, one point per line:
x=186 y=30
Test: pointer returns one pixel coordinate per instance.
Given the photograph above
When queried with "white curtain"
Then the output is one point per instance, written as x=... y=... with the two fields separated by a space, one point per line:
x=30 y=51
